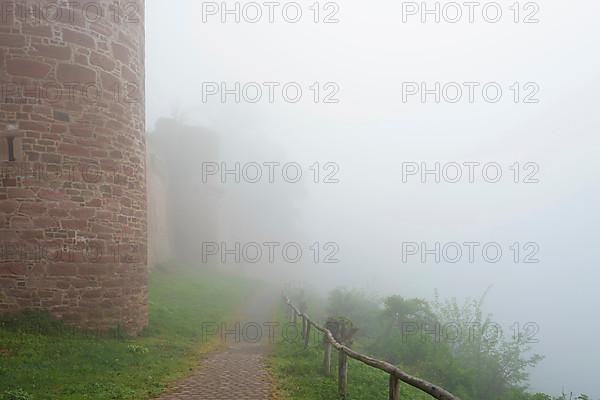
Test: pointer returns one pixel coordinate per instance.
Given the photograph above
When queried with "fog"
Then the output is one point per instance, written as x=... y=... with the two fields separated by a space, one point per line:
x=370 y=132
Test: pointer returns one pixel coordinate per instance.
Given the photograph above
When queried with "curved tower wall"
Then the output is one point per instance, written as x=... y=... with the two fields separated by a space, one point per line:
x=72 y=148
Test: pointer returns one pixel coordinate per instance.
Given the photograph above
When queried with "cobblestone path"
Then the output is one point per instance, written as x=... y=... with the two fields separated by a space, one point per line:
x=236 y=373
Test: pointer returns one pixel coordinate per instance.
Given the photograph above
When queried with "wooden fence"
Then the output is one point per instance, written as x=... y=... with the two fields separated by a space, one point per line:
x=396 y=374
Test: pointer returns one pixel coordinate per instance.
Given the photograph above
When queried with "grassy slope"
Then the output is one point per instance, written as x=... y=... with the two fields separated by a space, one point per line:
x=298 y=373
x=50 y=367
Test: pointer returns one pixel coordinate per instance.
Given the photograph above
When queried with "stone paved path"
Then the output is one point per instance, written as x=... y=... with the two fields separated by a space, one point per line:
x=236 y=373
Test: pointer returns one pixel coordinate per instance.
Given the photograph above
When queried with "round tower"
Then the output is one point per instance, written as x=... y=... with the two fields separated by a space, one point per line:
x=72 y=151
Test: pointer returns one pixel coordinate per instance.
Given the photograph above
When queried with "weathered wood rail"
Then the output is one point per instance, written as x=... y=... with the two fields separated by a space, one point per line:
x=396 y=374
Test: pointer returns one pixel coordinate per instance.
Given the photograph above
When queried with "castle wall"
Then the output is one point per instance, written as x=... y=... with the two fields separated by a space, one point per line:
x=72 y=149
x=159 y=241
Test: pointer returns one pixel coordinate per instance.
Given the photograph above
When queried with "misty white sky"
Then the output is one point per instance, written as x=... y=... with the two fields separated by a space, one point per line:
x=371 y=132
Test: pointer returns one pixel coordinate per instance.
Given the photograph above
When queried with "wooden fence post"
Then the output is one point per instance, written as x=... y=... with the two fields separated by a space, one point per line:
x=343 y=374
x=303 y=325
x=307 y=336
x=394 y=388
x=292 y=312
x=327 y=358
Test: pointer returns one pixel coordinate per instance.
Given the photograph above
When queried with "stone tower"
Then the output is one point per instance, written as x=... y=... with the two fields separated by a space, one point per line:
x=72 y=150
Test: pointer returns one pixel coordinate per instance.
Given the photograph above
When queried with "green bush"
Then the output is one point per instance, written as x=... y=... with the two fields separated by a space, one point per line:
x=17 y=394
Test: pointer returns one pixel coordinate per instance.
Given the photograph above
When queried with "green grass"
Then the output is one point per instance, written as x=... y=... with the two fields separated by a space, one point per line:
x=299 y=375
x=50 y=367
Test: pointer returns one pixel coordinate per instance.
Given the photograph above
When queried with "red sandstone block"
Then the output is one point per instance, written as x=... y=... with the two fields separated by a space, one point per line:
x=10 y=268
x=30 y=208
x=116 y=190
x=92 y=270
x=43 y=110
x=61 y=116
x=94 y=203
x=80 y=283
x=51 y=195
x=99 y=153
x=63 y=285
x=77 y=224
x=29 y=68
x=92 y=294
x=125 y=36
x=38 y=30
x=45 y=222
x=7 y=283
x=19 y=193
x=95 y=314
x=97 y=228
x=31 y=156
x=116 y=126
x=38 y=271
x=56 y=128
x=60 y=310
x=129 y=75
x=8 y=206
x=51 y=158
x=45 y=294
x=116 y=284
x=102 y=30
x=34 y=234
x=7 y=40
x=105 y=131
x=49 y=304
x=57 y=52
x=104 y=216
x=107 y=304
x=118 y=109
x=51 y=136
x=72 y=317
x=73 y=150
x=19 y=222
x=61 y=269
x=102 y=61
x=10 y=107
x=110 y=82
x=75 y=73
x=21 y=293
x=120 y=52
x=83 y=213
x=73 y=107
x=79 y=38
x=81 y=59
x=58 y=213
x=33 y=126
x=24 y=303
x=81 y=130
x=125 y=141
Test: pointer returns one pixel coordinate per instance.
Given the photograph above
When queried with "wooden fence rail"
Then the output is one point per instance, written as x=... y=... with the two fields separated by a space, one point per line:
x=396 y=374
